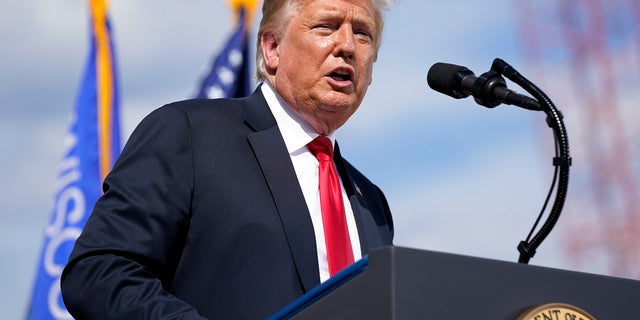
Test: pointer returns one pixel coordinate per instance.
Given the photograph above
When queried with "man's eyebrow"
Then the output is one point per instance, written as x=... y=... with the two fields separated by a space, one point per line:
x=334 y=13
x=326 y=14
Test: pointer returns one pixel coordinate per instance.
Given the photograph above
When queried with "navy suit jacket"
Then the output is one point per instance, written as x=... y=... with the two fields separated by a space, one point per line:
x=203 y=216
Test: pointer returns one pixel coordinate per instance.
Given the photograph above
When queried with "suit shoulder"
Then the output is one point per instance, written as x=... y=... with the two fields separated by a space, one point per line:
x=196 y=110
x=207 y=106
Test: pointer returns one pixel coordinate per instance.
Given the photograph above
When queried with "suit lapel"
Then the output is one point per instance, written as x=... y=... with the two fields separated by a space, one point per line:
x=273 y=157
x=354 y=194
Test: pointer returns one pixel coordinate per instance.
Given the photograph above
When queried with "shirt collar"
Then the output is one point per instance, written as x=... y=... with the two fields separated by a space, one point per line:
x=296 y=132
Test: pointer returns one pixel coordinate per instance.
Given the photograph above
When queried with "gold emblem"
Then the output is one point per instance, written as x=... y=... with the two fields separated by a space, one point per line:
x=556 y=311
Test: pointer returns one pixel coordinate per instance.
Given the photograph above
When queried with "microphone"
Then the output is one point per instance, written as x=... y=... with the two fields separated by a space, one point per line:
x=488 y=90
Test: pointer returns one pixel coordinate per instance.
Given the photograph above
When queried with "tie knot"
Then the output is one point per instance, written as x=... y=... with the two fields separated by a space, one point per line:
x=321 y=148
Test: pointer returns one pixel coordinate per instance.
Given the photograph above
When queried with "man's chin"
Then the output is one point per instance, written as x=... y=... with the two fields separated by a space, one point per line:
x=338 y=100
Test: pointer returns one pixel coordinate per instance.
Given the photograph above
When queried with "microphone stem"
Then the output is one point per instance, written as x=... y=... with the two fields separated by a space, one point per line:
x=562 y=161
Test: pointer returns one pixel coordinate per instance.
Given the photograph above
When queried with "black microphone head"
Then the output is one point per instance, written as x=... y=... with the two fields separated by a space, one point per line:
x=447 y=78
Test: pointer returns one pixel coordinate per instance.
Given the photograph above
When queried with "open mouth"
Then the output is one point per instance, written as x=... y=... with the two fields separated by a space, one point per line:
x=341 y=75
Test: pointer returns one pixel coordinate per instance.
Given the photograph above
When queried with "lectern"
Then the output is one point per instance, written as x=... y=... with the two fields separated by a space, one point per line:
x=402 y=283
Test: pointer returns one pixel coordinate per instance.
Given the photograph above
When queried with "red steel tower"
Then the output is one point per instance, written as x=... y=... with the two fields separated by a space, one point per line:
x=588 y=52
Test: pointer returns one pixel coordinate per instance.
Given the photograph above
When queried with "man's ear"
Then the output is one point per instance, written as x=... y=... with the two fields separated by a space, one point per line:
x=270 y=51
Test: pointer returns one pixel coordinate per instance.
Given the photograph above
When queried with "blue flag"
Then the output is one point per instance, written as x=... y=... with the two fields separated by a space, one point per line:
x=229 y=75
x=90 y=148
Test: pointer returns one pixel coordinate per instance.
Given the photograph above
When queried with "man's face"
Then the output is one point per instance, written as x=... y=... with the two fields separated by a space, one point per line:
x=322 y=63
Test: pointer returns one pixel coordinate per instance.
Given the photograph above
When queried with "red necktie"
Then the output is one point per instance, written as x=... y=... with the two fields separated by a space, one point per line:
x=336 y=234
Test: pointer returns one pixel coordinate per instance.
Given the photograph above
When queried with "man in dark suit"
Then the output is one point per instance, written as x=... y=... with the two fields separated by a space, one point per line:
x=212 y=210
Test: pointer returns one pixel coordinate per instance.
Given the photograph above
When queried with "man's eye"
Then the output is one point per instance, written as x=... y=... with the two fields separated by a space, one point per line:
x=364 y=34
x=324 y=27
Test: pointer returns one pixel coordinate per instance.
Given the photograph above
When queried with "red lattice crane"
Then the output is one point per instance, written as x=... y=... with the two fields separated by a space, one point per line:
x=588 y=51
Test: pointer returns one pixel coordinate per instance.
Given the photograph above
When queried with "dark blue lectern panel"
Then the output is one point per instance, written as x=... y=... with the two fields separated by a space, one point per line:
x=322 y=290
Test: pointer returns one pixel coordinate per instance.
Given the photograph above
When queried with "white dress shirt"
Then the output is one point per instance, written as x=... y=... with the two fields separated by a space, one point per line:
x=297 y=133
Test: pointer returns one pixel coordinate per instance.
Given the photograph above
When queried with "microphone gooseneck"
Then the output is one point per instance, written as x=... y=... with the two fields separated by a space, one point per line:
x=490 y=90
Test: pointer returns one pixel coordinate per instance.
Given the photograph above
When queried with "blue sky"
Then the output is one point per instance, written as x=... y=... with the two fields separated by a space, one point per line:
x=459 y=178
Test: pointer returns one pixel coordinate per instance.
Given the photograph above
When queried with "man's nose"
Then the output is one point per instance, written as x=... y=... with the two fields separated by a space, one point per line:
x=345 y=42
